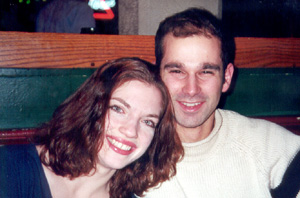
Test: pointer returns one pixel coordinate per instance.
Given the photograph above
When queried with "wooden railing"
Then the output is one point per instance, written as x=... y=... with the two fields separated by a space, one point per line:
x=54 y=50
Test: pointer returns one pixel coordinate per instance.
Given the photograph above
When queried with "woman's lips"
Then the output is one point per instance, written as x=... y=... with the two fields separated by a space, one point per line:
x=120 y=146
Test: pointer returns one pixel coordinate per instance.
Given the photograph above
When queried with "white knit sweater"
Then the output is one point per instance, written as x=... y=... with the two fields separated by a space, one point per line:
x=241 y=158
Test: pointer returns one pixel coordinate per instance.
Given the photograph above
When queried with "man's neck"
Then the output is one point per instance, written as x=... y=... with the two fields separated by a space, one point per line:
x=196 y=134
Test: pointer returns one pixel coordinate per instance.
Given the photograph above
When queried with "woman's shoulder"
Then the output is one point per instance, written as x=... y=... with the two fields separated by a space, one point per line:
x=19 y=160
x=19 y=157
x=16 y=151
x=21 y=172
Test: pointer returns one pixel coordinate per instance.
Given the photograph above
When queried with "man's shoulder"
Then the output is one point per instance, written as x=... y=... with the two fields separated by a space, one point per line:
x=252 y=131
x=232 y=118
x=268 y=143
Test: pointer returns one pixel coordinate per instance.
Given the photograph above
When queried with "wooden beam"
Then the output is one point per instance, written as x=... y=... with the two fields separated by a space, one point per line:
x=60 y=50
x=54 y=50
x=16 y=136
x=267 y=52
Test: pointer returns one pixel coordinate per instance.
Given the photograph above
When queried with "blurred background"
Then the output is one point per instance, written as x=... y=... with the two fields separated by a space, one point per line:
x=246 y=18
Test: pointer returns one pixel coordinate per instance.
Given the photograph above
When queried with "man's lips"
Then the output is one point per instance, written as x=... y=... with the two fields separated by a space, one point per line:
x=120 y=146
x=190 y=106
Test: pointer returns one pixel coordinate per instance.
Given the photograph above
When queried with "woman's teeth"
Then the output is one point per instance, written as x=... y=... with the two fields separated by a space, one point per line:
x=119 y=144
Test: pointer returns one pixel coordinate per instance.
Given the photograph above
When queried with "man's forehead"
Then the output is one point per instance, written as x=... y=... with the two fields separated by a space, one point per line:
x=170 y=39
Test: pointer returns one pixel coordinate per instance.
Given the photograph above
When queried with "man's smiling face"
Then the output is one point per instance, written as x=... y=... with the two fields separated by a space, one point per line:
x=192 y=70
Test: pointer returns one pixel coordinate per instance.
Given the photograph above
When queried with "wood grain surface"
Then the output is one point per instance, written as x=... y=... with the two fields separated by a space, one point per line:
x=267 y=52
x=54 y=50
x=61 y=50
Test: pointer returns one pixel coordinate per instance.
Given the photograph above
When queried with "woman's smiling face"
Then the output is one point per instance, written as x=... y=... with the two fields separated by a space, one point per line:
x=130 y=123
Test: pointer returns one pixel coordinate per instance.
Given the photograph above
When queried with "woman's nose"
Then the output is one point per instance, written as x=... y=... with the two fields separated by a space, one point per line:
x=129 y=128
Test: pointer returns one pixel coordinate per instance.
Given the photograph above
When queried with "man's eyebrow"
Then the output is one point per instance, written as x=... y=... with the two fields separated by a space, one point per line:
x=172 y=66
x=122 y=101
x=205 y=66
x=212 y=66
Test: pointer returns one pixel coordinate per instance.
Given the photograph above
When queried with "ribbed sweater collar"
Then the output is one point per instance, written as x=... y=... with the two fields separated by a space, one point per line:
x=199 y=150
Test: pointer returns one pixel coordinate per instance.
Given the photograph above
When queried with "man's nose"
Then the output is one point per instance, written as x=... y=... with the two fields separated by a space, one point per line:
x=191 y=86
x=129 y=128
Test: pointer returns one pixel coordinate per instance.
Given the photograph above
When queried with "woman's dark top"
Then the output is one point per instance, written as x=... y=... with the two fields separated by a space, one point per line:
x=21 y=173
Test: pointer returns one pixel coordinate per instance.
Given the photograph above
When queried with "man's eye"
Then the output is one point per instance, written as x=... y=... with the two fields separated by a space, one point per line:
x=175 y=71
x=150 y=123
x=117 y=109
x=207 y=72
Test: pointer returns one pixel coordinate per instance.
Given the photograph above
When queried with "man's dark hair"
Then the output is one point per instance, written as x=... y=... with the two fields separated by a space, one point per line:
x=195 y=21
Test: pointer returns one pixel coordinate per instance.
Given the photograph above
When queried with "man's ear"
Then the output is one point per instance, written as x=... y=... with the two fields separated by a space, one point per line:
x=228 y=77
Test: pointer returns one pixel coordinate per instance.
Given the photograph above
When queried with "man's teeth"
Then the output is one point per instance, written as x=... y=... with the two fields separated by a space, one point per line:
x=191 y=104
x=119 y=144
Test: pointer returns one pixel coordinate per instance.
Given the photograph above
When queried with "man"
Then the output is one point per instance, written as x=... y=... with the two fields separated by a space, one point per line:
x=65 y=16
x=226 y=154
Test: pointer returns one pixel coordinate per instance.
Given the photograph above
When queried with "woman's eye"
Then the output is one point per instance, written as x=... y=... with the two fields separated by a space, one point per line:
x=117 y=109
x=150 y=123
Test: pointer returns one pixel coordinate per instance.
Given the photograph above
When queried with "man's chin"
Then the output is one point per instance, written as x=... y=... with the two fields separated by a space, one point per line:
x=189 y=124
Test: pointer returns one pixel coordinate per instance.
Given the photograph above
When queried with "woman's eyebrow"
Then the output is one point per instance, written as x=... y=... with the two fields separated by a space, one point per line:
x=128 y=106
x=122 y=101
x=153 y=116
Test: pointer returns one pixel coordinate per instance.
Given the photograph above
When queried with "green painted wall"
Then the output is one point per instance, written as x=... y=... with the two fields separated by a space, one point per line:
x=28 y=97
x=266 y=92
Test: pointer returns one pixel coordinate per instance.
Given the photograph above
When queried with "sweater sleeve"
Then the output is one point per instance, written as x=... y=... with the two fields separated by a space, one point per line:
x=284 y=148
x=277 y=148
x=290 y=185
x=271 y=146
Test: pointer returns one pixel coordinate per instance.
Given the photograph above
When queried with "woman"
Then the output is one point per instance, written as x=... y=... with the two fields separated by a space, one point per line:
x=98 y=142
